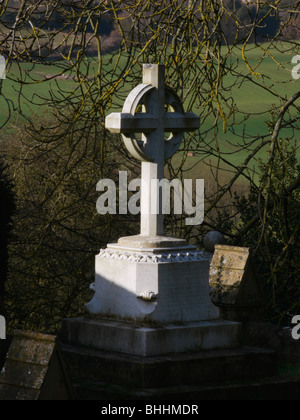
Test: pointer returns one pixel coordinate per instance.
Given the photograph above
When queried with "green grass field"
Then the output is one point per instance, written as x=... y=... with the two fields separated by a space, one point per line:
x=256 y=98
x=253 y=99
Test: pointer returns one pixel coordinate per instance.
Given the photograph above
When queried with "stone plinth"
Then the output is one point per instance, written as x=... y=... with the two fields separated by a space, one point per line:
x=165 y=285
x=148 y=341
x=150 y=302
x=141 y=242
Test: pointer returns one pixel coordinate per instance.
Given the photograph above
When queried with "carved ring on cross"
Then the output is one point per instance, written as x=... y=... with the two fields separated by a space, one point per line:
x=132 y=122
x=139 y=148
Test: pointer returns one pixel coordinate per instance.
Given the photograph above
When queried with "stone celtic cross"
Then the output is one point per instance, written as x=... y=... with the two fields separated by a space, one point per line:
x=155 y=113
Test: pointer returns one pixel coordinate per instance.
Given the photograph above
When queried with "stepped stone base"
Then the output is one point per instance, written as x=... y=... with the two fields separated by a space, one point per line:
x=263 y=389
x=239 y=373
x=150 y=341
x=100 y=375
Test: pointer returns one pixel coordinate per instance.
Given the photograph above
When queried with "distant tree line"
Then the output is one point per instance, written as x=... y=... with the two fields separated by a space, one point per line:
x=266 y=22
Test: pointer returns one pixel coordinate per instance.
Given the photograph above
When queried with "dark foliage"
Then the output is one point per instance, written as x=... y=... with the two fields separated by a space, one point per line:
x=7 y=206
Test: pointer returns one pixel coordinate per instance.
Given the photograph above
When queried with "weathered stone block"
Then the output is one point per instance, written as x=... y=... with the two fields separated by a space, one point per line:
x=34 y=369
x=235 y=287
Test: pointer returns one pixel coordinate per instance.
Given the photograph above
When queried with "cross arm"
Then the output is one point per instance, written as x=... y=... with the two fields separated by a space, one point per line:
x=128 y=123
x=177 y=122
x=144 y=122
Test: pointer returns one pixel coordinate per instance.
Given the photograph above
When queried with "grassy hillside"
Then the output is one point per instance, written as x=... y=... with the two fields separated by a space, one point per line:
x=272 y=74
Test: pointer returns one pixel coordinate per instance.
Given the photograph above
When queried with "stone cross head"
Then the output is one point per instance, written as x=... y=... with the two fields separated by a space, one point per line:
x=154 y=121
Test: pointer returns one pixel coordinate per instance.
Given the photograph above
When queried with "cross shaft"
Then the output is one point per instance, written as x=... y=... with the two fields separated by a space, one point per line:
x=153 y=124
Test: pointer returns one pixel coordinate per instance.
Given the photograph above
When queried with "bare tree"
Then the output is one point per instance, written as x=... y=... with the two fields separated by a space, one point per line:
x=77 y=60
